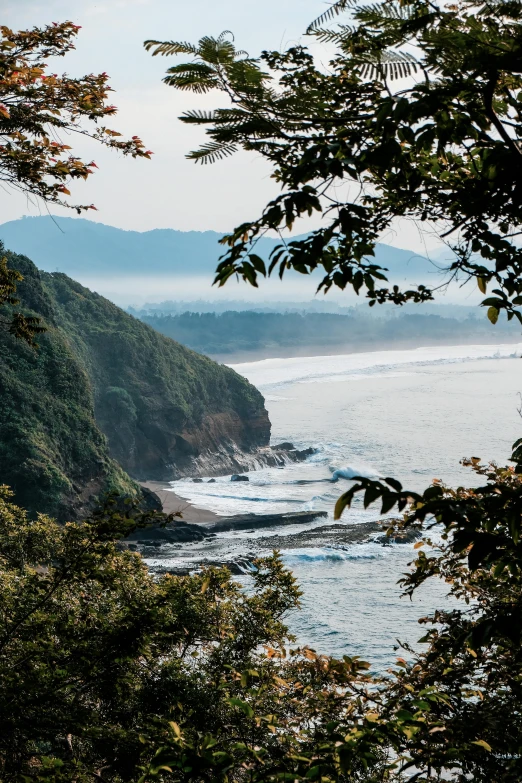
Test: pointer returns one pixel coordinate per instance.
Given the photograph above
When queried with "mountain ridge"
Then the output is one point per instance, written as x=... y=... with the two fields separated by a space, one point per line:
x=80 y=247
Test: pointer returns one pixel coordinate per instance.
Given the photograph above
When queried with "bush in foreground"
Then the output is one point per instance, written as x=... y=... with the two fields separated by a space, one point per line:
x=110 y=673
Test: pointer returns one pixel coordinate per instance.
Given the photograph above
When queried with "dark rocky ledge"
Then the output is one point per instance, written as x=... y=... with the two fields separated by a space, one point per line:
x=259 y=521
x=229 y=459
x=180 y=532
x=177 y=532
x=339 y=535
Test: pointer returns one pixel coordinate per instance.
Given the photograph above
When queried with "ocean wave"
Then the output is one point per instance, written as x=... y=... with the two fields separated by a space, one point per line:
x=319 y=369
x=351 y=471
x=251 y=499
x=322 y=554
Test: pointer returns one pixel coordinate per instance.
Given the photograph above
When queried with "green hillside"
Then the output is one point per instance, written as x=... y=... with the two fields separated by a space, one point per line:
x=52 y=453
x=101 y=387
x=160 y=404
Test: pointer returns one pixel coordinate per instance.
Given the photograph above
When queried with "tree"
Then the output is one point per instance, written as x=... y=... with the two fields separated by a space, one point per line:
x=37 y=110
x=110 y=673
x=24 y=326
x=419 y=110
x=440 y=146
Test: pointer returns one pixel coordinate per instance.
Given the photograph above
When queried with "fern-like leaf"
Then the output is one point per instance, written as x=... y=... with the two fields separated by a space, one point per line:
x=337 y=36
x=211 y=152
x=198 y=116
x=334 y=10
x=167 y=48
x=391 y=65
x=198 y=77
x=214 y=50
x=389 y=10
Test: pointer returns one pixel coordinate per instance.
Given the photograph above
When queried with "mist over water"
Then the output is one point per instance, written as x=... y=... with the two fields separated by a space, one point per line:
x=412 y=415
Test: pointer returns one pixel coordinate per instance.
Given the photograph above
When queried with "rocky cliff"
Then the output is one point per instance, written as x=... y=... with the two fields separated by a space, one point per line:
x=105 y=390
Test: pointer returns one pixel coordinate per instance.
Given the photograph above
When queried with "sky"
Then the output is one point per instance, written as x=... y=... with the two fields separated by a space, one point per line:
x=168 y=191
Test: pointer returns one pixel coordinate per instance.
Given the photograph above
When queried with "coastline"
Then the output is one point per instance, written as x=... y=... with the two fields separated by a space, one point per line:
x=173 y=502
x=232 y=358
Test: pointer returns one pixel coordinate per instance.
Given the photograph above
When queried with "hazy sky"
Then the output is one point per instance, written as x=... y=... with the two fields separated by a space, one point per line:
x=169 y=191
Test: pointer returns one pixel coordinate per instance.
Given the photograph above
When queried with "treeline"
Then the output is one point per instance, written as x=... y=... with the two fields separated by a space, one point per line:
x=233 y=332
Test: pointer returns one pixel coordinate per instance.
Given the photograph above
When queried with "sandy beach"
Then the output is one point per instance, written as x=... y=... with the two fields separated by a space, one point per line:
x=172 y=502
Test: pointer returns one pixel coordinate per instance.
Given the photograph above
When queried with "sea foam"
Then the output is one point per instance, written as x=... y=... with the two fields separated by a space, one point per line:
x=320 y=369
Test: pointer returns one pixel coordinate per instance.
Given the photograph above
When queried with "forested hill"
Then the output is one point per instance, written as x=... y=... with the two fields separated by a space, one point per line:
x=82 y=248
x=103 y=392
x=247 y=331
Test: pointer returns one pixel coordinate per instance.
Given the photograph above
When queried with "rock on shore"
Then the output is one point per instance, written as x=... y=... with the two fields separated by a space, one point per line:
x=259 y=521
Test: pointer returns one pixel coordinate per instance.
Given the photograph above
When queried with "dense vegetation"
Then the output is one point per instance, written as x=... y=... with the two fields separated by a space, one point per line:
x=52 y=451
x=250 y=331
x=103 y=386
x=159 y=403
x=417 y=115
x=110 y=673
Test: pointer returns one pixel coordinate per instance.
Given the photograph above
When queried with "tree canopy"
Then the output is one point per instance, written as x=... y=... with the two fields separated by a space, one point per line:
x=37 y=110
x=417 y=115
x=110 y=672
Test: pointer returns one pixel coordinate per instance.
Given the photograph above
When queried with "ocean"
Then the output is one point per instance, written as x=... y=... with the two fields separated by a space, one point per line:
x=410 y=414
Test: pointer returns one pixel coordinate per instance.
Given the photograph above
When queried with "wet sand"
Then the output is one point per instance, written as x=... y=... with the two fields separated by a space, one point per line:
x=172 y=502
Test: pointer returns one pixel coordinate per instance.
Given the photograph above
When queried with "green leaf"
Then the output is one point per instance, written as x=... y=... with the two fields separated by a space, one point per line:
x=343 y=502
x=371 y=494
x=493 y=315
x=243 y=706
x=388 y=502
x=257 y=263
x=396 y=485
x=482 y=744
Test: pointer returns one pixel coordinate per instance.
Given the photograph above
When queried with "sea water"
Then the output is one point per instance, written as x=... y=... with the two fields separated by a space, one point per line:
x=411 y=414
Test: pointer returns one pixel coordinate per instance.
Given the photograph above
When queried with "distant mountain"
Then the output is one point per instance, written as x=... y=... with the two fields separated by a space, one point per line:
x=85 y=249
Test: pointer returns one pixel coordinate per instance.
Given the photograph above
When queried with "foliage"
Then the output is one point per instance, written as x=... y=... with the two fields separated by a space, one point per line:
x=26 y=327
x=37 y=108
x=103 y=386
x=96 y=654
x=473 y=663
x=233 y=331
x=52 y=452
x=172 y=403
x=110 y=672
x=362 y=149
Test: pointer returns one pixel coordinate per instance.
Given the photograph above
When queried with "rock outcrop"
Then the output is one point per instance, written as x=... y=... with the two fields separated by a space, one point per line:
x=260 y=521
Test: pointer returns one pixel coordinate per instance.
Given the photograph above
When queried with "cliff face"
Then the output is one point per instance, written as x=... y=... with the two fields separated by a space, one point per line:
x=105 y=390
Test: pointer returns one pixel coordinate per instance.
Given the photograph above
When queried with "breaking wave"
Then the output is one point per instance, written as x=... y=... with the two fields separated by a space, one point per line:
x=330 y=554
x=272 y=373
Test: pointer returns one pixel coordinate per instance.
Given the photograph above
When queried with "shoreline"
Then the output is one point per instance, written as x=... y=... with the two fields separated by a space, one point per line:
x=233 y=358
x=172 y=502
